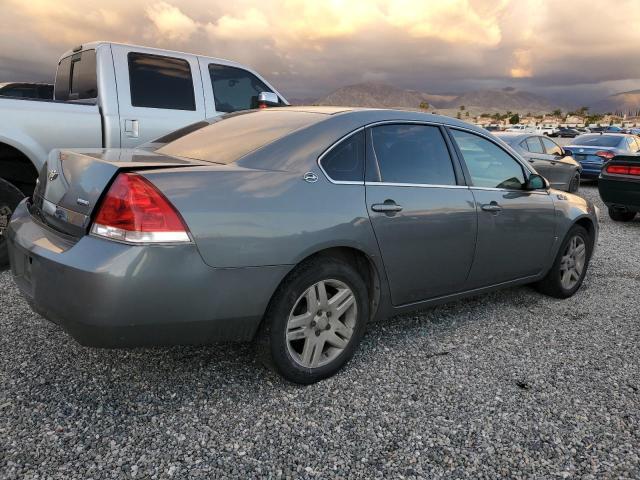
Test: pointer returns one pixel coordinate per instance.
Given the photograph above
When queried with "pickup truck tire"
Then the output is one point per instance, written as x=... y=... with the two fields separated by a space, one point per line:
x=10 y=196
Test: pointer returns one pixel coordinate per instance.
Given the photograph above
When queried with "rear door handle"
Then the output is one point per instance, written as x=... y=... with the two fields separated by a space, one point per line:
x=491 y=207
x=131 y=128
x=389 y=206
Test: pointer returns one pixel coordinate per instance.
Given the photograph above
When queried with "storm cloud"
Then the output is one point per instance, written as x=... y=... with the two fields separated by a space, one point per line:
x=571 y=49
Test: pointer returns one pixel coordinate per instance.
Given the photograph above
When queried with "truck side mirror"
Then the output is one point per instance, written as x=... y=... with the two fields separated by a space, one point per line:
x=268 y=99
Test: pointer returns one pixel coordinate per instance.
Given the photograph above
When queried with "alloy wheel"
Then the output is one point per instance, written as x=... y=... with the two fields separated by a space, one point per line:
x=321 y=323
x=573 y=262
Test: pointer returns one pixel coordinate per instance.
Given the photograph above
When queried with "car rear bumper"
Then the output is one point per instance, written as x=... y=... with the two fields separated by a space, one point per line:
x=590 y=171
x=109 y=294
x=620 y=193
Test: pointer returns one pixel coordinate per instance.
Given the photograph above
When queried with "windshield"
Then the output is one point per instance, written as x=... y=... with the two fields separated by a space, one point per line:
x=598 y=140
x=238 y=134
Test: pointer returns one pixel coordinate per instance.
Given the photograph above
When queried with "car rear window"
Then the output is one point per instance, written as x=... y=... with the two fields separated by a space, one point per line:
x=597 y=140
x=238 y=134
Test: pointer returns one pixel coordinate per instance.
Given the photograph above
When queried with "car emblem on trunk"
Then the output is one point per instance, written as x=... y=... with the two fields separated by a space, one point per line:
x=310 y=177
x=53 y=174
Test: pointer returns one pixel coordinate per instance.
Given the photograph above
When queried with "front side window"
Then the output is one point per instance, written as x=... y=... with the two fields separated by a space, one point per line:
x=345 y=161
x=533 y=145
x=488 y=165
x=412 y=154
x=234 y=88
x=551 y=147
x=77 y=78
x=157 y=81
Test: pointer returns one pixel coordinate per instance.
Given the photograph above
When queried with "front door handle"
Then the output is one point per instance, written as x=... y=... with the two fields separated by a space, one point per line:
x=491 y=207
x=389 y=207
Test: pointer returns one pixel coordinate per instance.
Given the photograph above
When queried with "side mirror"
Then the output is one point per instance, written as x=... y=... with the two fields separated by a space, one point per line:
x=268 y=99
x=536 y=182
x=567 y=152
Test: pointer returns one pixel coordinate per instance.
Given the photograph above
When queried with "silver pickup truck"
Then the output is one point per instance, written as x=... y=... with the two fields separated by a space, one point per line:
x=113 y=95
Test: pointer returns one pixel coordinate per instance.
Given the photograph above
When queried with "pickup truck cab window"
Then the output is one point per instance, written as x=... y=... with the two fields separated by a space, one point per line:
x=76 y=78
x=488 y=165
x=415 y=154
x=235 y=88
x=151 y=77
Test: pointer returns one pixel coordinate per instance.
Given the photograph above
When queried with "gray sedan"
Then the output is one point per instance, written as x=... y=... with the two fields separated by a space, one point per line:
x=292 y=226
x=547 y=158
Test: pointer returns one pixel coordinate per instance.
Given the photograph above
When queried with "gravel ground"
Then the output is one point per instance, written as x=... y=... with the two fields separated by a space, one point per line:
x=511 y=384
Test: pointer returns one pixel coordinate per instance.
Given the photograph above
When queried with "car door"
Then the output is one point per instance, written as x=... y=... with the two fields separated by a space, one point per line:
x=423 y=216
x=157 y=93
x=516 y=227
x=536 y=156
x=230 y=88
x=560 y=167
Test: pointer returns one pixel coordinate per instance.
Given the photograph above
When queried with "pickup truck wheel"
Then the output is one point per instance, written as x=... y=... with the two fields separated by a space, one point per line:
x=10 y=196
x=618 y=216
x=315 y=321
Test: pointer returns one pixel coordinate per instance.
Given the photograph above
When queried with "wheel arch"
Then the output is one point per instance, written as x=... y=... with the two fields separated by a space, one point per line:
x=17 y=166
x=364 y=264
x=587 y=223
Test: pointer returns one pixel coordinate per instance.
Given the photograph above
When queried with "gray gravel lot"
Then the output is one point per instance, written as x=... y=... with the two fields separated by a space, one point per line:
x=511 y=384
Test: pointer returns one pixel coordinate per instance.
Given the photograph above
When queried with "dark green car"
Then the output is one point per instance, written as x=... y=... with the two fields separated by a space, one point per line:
x=619 y=186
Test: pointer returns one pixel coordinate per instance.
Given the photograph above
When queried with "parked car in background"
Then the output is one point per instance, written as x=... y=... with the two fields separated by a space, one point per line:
x=26 y=90
x=594 y=149
x=270 y=228
x=547 y=157
x=607 y=129
x=157 y=92
x=565 y=132
x=619 y=186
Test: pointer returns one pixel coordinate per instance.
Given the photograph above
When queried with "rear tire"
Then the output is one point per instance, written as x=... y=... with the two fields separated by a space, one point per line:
x=618 y=216
x=10 y=197
x=570 y=266
x=305 y=337
x=574 y=185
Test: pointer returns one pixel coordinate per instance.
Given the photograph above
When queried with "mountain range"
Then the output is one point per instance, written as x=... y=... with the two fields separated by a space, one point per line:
x=379 y=95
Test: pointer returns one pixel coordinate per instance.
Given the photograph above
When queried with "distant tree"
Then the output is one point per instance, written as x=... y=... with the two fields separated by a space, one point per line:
x=467 y=113
x=515 y=118
x=462 y=107
x=557 y=112
x=424 y=105
x=458 y=116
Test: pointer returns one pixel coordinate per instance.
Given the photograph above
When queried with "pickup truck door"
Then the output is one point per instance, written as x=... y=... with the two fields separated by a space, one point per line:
x=157 y=93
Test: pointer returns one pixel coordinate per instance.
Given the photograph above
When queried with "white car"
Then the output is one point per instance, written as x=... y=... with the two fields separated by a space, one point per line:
x=536 y=129
x=111 y=95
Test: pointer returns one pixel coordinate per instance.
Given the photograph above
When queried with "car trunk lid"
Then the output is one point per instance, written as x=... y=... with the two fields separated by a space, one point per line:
x=72 y=182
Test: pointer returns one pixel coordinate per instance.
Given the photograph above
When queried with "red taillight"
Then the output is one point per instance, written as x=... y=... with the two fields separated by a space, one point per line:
x=605 y=154
x=623 y=170
x=134 y=210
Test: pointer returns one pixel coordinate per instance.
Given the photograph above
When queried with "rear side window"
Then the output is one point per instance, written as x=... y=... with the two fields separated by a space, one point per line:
x=160 y=82
x=345 y=161
x=234 y=88
x=77 y=78
x=488 y=165
x=412 y=154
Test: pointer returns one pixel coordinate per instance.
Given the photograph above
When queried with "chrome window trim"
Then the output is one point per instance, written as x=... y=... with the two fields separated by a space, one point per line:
x=513 y=190
x=328 y=150
x=420 y=185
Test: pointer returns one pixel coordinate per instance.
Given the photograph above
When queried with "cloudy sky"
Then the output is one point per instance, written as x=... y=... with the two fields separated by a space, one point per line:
x=572 y=50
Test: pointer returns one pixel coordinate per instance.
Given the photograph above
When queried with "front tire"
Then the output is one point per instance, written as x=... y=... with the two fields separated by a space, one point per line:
x=574 y=185
x=10 y=197
x=570 y=266
x=618 y=216
x=315 y=321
